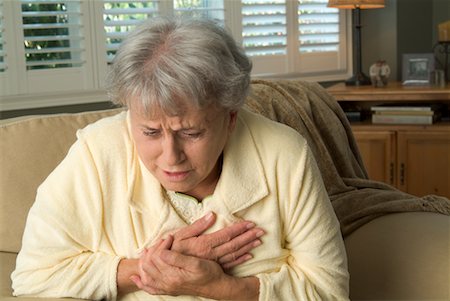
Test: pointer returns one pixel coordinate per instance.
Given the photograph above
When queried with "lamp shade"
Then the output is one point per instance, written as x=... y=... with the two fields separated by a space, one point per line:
x=352 y=4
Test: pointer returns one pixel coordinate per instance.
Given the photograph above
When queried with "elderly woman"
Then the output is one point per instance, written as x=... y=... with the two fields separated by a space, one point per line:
x=185 y=193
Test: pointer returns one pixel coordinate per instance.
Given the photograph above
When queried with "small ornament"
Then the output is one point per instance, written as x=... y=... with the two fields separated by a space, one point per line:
x=379 y=73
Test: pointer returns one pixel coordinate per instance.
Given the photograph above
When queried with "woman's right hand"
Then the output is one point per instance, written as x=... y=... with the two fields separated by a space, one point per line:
x=229 y=246
x=163 y=271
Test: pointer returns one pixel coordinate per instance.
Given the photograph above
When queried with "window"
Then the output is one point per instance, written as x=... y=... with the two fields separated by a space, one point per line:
x=52 y=35
x=264 y=27
x=301 y=38
x=51 y=43
x=318 y=27
x=119 y=17
x=2 y=51
x=5 y=73
x=62 y=48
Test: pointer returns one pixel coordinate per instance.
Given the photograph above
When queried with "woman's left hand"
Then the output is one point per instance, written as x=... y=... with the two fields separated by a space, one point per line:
x=229 y=246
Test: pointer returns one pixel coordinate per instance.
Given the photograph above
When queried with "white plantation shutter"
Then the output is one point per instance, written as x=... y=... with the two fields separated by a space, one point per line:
x=56 y=52
x=122 y=16
x=3 y=65
x=211 y=9
x=52 y=32
x=119 y=17
x=5 y=72
x=264 y=27
x=8 y=52
x=322 y=39
x=264 y=34
x=297 y=37
x=318 y=26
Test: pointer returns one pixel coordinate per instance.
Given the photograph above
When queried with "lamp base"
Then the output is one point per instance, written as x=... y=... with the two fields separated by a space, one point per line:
x=359 y=79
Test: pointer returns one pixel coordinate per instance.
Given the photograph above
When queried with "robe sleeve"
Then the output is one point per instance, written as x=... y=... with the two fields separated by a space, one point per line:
x=316 y=267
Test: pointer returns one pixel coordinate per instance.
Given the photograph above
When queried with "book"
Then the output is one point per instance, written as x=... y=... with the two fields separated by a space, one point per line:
x=401 y=108
x=407 y=113
x=402 y=119
x=353 y=116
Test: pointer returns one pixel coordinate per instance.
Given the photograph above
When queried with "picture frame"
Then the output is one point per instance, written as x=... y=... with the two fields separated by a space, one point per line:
x=417 y=68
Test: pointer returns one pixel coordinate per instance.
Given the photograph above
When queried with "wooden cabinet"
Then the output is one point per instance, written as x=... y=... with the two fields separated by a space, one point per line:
x=378 y=152
x=413 y=158
x=423 y=162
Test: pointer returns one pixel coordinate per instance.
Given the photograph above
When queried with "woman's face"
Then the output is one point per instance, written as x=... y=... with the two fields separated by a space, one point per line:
x=183 y=151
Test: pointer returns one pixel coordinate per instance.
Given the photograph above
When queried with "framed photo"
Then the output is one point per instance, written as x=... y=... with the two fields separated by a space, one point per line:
x=417 y=68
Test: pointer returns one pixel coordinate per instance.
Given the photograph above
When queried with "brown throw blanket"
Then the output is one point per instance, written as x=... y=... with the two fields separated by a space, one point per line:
x=309 y=109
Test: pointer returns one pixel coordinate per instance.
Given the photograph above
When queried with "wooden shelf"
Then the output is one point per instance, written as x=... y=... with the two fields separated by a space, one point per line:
x=368 y=125
x=393 y=92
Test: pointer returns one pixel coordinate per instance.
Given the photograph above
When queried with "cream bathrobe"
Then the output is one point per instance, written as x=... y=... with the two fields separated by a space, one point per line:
x=101 y=204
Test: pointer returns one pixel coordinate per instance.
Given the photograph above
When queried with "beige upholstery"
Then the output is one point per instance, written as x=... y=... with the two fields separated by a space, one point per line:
x=30 y=149
x=399 y=256
x=402 y=256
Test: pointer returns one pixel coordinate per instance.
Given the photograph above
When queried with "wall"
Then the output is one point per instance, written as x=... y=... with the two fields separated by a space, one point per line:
x=403 y=26
x=379 y=36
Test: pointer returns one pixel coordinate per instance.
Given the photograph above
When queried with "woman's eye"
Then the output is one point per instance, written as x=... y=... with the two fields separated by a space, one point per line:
x=192 y=134
x=151 y=133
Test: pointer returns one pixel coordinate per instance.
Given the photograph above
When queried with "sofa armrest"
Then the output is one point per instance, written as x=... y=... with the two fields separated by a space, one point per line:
x=402 y=256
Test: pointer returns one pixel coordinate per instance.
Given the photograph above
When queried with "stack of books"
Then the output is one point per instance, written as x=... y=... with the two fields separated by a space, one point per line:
x=404 y=114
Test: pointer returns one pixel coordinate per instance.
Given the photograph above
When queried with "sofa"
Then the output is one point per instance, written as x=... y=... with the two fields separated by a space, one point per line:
x=393 y=254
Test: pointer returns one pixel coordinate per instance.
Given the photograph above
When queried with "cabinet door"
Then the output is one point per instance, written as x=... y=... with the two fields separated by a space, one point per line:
x=377 y=149
x=424 y=162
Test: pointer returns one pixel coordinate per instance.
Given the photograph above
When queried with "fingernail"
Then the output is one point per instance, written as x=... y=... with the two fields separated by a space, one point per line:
x=257 y=243
x=260 y=233
x=209 y=216
x=250 y=225
x=248 y=256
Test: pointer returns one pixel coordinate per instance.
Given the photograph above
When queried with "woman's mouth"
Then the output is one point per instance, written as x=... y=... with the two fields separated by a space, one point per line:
x=176 y=176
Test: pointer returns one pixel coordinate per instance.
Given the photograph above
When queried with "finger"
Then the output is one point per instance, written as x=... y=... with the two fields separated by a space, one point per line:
x=230 y=257
x=150 y=256
x=242 y=242
x=237 y=261
x=148 y=267
x=197 y=228
x=175 y=259
x=167 y=243
x=228 y=233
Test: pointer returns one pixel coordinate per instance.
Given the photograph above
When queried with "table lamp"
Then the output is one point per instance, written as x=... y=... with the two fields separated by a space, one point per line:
x=359 y=78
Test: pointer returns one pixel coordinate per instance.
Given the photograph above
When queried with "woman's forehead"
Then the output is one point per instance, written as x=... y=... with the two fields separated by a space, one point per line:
x=186 y=114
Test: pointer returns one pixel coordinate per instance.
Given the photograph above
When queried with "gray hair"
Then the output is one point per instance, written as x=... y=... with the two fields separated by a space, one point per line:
x=167 y=61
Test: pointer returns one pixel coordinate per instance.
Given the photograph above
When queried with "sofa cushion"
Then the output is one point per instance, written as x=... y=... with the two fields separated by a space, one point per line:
x=30 y=149
x=7 y=264
x=402 y=256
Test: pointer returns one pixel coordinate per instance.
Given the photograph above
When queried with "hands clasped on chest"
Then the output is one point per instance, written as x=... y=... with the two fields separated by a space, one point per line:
x=192 y=263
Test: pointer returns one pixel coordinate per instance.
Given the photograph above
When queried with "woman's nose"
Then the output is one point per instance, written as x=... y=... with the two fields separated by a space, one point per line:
x=173 y=153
